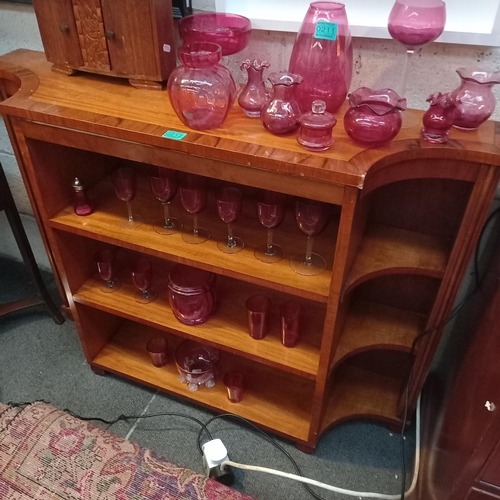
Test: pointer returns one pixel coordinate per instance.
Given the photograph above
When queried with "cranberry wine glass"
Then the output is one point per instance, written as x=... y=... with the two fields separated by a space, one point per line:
x=163 y=186
x=415 y=23
x=229 y=201
x=194 y=198
x=142 y=276
x=271 y=212
x=105 y=260
x=125 y=184
x=311 y=217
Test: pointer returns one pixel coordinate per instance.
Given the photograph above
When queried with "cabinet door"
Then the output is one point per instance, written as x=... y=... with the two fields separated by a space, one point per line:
x=491 y=473
x=58 y=31
x=132 y=39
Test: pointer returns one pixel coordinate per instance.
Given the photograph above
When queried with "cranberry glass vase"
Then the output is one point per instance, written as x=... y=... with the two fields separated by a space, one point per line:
x=323 y=55
x=439 y=118
x=201 y=90
x=477 y=101
x=254 y=95
x=374 y=116
x=282 y=113
x=316 y=128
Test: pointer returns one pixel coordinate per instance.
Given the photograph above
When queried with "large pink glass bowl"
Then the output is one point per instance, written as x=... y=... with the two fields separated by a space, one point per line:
x=230 y=31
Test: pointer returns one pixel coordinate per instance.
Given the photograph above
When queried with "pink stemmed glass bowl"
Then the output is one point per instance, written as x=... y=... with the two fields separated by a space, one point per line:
x=230 y=31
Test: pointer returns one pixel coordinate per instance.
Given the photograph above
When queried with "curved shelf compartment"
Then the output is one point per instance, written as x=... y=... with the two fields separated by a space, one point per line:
x=103 y=225
x=390 y=250
x=227 y=329
x=371 y=325
x=270 y=394
x=359 y=393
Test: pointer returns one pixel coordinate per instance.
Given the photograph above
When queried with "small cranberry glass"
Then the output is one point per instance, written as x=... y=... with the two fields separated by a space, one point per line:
x=82 y=203
x=258 y=308
x=157 y=348
x=164 y=187
x=125 y=183
x=311 y=217
x=254 y=95
x=193 y=194
x=291 y=314
x=229 y=204
x=142 y=277
x=439 y=118
x=235 y=384
x=374 y=116
x=106 y=262
x=271 y=209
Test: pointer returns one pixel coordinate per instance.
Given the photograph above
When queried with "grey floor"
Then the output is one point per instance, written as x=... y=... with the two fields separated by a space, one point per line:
x=42 y=361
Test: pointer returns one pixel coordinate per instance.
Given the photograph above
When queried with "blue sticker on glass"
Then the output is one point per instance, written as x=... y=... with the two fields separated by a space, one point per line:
x=326 y=31
x=173 y=134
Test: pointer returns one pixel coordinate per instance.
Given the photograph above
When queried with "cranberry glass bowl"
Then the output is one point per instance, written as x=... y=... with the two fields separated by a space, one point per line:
x=196 y=364
x=230 y=31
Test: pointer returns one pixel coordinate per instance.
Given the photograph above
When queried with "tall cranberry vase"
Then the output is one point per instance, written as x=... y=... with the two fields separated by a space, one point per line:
x=322 y=55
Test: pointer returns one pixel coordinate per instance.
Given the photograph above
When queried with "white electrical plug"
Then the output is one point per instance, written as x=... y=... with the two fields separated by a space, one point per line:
x=214 y=456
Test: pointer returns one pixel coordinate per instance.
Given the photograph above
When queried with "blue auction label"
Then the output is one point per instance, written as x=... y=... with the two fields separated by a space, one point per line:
x=173 y=134
x=326 y=31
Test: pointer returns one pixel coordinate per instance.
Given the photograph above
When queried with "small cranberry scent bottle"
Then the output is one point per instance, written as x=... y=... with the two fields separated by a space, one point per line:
x=82 y=203
x=316 y=128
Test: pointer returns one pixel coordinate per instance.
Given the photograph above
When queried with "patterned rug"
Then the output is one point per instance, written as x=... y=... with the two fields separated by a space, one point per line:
x=47 y=454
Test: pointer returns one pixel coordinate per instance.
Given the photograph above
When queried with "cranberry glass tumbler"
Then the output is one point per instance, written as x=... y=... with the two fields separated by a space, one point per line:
x=201 y=90
x=322 y=55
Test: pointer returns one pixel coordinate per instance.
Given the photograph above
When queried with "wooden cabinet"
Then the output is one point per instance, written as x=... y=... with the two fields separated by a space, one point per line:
x=404 y=220
x=132 y=39
x=461 y=446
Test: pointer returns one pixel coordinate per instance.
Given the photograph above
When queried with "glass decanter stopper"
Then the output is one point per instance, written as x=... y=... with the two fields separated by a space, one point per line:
x=316 y=127
x=82 y=204
x=254 y=95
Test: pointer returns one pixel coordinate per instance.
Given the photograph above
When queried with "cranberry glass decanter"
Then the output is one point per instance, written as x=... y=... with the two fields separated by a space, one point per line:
x=323 y=55
x=201 y=90
x=439 y=118
x=282 y=113
x=374 y=116
x=477 y=101
x=254 y=95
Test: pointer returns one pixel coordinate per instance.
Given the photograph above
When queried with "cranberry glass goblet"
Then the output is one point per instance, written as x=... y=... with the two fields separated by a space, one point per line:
x=271 y=212
x=105 y=260
x=311 y=217
x=415 y=23
x=229 y=202
x=194 y=198
x=163 y=186
x=141 y=271
x=125 y=184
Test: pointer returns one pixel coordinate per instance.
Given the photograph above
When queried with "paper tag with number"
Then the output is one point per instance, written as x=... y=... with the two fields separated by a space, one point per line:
x=326 y=31
x=174 y=134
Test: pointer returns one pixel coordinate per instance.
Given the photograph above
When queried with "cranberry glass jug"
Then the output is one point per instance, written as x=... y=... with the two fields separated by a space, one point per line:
x=282 y=113
x=322 y=54
x=201 y=90
x=477 y=101
x=254 y=95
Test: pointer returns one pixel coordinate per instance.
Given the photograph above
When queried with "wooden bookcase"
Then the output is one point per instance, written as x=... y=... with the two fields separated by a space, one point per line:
x=404 y=222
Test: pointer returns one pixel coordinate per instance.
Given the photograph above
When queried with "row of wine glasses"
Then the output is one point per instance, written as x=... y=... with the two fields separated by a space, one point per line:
x=311 y=216
x=141 y=271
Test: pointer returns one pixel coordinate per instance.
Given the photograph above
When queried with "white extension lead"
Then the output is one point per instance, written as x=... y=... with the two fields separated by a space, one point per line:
x=336 y=489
